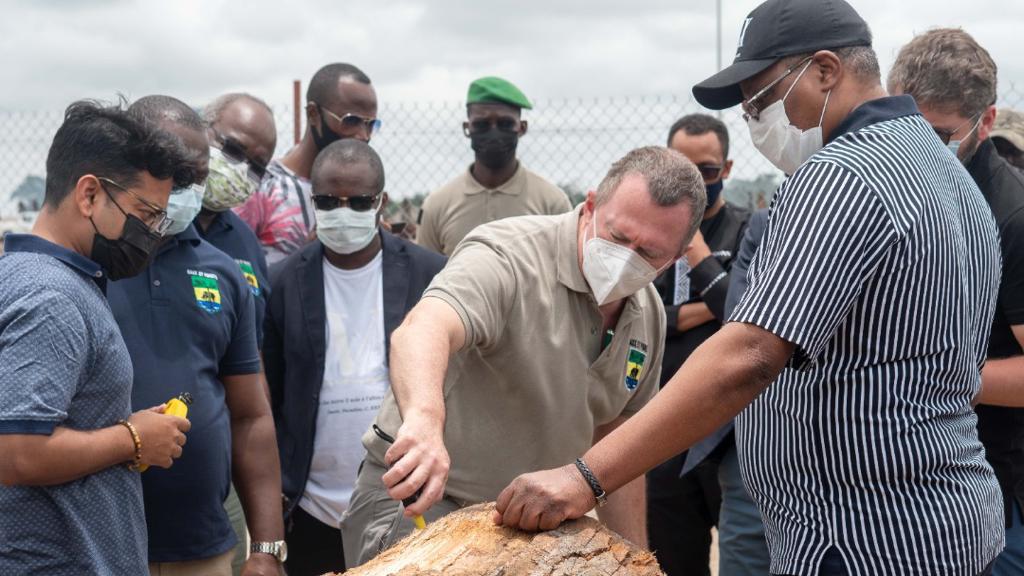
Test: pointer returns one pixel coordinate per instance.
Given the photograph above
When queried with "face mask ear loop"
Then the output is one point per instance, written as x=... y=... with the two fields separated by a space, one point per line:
x=823 y=108
x=798 y=77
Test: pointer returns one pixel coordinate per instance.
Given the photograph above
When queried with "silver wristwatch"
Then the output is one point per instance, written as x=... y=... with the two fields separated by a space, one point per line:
x=277 y=549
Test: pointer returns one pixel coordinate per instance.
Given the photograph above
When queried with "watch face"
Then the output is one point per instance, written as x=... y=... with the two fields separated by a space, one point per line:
x=282 y=551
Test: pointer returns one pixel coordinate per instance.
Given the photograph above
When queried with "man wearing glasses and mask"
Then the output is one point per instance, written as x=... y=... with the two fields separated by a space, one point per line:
x=71 y=500
x=683 y=501
x=953 y=80
x=496 y=185
x=340 y=104
x=188 y=323
x=329 y=324
x=857 y=348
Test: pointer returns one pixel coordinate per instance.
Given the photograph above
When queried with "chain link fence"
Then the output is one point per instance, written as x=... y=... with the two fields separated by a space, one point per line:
x=570 y=141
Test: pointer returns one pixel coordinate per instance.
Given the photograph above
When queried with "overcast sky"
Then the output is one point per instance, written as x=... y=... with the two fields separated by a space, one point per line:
x=55 y=51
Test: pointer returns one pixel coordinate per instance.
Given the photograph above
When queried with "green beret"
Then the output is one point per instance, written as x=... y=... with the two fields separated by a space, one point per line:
x=494 y=90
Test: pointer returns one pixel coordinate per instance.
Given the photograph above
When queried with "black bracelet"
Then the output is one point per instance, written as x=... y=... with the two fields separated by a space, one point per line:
x=595 y=486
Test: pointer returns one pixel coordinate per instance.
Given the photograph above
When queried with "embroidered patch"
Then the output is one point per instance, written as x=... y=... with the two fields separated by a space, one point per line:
x=250 y=276
x=634 y=366
x=206 y=290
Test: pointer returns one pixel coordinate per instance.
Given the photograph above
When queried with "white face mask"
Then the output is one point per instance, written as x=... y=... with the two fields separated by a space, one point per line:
x=183 y=206
x=613 y=271
x=785 y=145
x=345 y=230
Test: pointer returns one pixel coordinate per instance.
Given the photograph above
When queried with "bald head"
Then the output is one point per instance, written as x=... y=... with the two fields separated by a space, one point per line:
x=352 y=161
x=245 y=119
x=178 y=119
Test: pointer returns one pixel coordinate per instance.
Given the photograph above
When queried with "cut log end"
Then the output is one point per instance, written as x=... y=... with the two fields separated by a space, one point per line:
x=467 y=542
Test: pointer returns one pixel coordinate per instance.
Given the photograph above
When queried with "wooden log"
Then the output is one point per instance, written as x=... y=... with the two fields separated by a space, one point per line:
x=467 y=543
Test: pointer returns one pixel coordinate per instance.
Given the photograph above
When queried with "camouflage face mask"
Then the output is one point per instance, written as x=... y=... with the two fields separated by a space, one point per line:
x=228 y=184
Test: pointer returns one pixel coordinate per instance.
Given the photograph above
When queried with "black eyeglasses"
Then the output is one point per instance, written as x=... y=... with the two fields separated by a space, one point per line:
x=482 y=126
x=947 y=135
x=710 y=172
x=237 y=152
x=357 y=203
x=352 y=122
x=752 y=108
x=157 y=220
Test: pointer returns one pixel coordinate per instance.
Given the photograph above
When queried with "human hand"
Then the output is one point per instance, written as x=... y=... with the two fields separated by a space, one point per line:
x=543 y=500
x=698 y=250
x=260 y=564
x=162 y=436
x=417 y=462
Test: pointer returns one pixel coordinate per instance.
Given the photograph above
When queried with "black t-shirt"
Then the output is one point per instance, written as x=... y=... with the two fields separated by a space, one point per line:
x=709 y=283
x=1002 y=429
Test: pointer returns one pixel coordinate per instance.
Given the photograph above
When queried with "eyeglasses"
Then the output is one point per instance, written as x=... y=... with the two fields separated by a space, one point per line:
x=710 y=172
x=352 y=122
x=752 y=108
x=483 y=126
x=947 y=135
x=357 y=203
x=237 y=152
x=157 y=220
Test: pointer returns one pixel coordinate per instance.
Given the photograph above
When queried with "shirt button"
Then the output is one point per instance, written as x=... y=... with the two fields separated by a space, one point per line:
x=156 y=282
x=98 y=274
x=593 y=331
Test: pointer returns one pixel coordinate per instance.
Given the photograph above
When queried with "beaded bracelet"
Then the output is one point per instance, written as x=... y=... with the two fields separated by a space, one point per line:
x=133 y=465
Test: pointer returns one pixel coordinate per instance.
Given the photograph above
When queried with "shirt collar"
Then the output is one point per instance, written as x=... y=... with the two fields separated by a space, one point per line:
x=875 y=111
x=189 y=235
x=220 y=222
x=34 y=244
x=569 y=272
x=513 y=187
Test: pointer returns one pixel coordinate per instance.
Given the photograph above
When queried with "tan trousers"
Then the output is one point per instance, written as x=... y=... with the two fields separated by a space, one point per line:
x=216 y=566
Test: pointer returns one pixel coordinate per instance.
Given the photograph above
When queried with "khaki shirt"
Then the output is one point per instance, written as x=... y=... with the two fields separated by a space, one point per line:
x=532 y=382
x=455 y=209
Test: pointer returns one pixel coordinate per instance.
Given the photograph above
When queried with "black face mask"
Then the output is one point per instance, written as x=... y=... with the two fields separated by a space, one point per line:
x=713 y=192
x=495 y=149
x=130 y=253
x=326 y=137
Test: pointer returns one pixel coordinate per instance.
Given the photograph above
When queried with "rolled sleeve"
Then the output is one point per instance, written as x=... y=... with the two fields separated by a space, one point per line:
x=480 y=285
x=44 y=350
x=826 y=236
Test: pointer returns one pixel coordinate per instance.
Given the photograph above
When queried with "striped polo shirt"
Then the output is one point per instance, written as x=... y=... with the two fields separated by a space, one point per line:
x=881 y=263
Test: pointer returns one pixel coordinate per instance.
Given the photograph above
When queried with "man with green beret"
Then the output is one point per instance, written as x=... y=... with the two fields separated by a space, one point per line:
x=496 y=185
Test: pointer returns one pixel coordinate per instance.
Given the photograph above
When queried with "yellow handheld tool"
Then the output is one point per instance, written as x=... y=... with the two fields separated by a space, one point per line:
x=417 y=520
x=175 y=407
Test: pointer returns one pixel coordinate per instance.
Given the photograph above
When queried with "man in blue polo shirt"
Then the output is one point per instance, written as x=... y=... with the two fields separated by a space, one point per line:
x=68 y=504
x=188 y=324
x=241 y=128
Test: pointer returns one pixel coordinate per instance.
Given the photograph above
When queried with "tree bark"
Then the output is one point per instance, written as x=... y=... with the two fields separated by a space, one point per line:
x=467 y=542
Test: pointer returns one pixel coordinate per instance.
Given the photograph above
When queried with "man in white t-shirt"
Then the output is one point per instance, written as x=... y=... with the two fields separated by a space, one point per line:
x=329 y=320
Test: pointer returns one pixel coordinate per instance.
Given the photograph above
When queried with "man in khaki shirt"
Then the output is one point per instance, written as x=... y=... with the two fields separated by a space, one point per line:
x=496 y=185
x=541 y=335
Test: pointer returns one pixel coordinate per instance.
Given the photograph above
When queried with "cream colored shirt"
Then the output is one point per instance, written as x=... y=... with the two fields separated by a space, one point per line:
x=455 y=209
x=532 y=382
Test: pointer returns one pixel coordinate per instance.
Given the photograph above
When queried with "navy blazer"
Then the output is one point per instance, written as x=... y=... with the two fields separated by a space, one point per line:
x=295 y=341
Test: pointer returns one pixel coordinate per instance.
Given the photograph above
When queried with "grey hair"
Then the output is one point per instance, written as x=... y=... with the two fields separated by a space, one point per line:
x=946 y=68
x=671 y=180
x=860 y=61
x=213 y=110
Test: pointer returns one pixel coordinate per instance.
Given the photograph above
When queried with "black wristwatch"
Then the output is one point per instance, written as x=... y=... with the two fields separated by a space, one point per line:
x=277 y=549
x=595 y=486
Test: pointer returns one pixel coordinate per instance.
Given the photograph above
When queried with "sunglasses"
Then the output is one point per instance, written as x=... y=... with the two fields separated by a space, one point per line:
x=752 y=108
x=710 y=172
x=237 y=152
x=352 y=122
x=484 y=126
x=357 y=203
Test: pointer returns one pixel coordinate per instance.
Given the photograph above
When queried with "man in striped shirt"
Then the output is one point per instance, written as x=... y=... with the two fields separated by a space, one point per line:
x=858 y=345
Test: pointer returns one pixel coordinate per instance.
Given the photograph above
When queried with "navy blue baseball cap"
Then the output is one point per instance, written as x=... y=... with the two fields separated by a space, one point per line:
x=777 y=29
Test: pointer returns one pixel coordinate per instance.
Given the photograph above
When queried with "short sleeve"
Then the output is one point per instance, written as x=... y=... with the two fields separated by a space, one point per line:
x=44 y=352
x=479 y=283
x=242 y=355
x=825 y=238
x=1011 y=289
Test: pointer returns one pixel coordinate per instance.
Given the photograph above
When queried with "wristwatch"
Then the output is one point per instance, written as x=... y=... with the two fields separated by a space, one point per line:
x=277 y=549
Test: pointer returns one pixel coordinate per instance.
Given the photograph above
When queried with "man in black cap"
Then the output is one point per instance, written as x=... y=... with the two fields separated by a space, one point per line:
x=856 y=350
